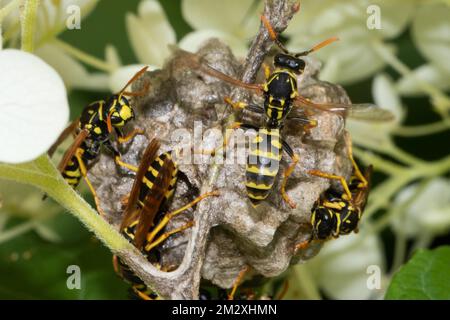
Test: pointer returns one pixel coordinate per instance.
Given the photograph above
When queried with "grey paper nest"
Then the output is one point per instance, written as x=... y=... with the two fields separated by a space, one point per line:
x=228 y=233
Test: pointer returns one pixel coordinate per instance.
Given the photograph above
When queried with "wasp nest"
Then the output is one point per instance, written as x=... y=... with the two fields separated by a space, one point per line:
x=228 y=233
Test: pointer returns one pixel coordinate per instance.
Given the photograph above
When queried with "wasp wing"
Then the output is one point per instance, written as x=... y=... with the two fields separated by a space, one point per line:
x=362 y=196
x=190 y=60
x=148 y=207
x=149 y=156
x=67 y=131
x=153 y=201
x=360 y=111
x=369 y=112
x=68 y=155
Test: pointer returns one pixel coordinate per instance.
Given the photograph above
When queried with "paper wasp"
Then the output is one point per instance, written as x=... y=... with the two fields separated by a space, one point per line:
x=337 y=212
x=254 y=288
x=145 y=213
x=281 y=102
x=93 y=130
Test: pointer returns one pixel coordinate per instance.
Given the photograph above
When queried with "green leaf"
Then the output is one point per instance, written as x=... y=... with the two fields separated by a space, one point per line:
x=425 y=276
x=33 y=268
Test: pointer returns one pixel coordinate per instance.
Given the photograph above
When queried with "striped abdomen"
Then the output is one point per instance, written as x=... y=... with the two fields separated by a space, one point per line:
x=72 y=173
x=152 y=173
x=263 y=163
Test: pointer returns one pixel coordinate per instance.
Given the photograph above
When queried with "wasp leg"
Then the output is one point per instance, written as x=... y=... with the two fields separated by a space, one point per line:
x=357 y=171
x=166 y=235
x=116 y=264
x=267 y=71
x=239 y=105
x=331 y=205
x=128 y=166
x=235 y=105
x=302 y=245
x=131 y=135
x=307 y=124
x=284 y=290
x=311 y=124
x=238 y=125
x=140 y=294
x=305 y=244
x=117 y=157
x=83 y=171
x=295 y=159
x=341 y=179
x=121 y=138
x=237 y=282
x=165 y=220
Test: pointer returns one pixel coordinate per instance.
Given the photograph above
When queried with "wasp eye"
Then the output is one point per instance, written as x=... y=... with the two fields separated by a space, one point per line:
x=126 y=113
x=302 y=66
x=288 y=61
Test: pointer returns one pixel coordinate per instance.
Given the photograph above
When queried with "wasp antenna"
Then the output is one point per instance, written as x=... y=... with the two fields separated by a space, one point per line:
x=135 y=77
x=317 y=46
x=108 y=123
x=272 y=34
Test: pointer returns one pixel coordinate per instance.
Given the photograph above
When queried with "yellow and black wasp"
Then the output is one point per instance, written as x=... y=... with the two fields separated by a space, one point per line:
x=280 y=94
x=93 y=130
x=338 y=212
x=253 y=289
x=145 y=213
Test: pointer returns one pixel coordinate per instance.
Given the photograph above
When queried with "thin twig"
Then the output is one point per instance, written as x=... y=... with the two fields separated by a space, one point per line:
x=184 y=282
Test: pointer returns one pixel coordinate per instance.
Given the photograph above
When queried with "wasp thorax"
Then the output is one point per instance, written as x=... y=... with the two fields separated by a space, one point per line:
x=290 y=62
x=121 y=111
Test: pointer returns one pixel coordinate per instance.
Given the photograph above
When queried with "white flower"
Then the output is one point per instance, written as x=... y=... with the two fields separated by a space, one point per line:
x=341 y=267
x=376 y=135
x=430 y=33
x=33 y=105
x=51 y=16
x=73 y=73
x=150 y=33
x=429 y=73
x=122 y=75
x=51 y=20
x=194 y=40
x=427 y=212
x=353 y=57
x=235 y=22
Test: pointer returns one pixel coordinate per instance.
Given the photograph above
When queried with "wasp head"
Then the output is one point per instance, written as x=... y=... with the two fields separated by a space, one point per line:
x=324 y=222
x=120 y=111
x=283 y=60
